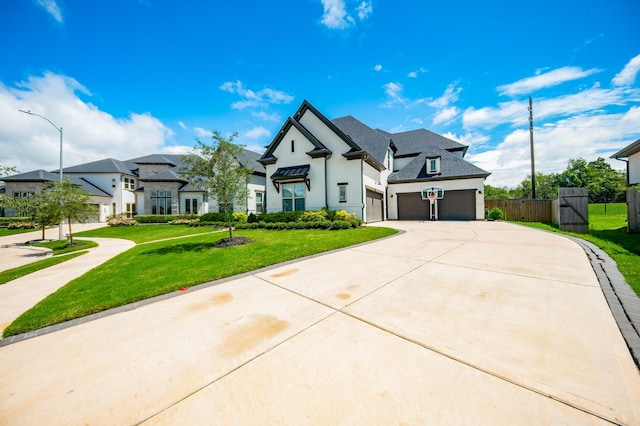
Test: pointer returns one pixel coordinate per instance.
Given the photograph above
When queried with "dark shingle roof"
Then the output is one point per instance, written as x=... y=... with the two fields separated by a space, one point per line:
x=155 y=159
x=451 y=167
x=108 y=165
x=33 y=176
x=416 y=141
x=89 y=188
x=249 y=159
x=170 y=175
x=372 y=142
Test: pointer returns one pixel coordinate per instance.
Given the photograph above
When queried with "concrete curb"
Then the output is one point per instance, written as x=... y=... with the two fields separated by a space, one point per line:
x=622 y=300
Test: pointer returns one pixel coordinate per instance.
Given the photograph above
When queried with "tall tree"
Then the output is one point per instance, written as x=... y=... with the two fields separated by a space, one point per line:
x=7 y=170
x=217 y=168
x=496 y=192
x=73 y=203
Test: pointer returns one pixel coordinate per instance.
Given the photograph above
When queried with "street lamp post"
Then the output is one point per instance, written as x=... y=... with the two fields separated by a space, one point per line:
x=59 y=129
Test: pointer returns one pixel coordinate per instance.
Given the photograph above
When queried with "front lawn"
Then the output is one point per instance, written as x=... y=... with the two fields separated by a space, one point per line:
x=156 y=268
x=146 y=233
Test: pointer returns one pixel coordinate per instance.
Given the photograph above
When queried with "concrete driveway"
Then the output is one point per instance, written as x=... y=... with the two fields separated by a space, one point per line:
x=447 y=323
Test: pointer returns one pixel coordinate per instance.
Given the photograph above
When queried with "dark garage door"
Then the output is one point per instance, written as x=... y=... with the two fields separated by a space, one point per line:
x=456 y=205
x=374 y=206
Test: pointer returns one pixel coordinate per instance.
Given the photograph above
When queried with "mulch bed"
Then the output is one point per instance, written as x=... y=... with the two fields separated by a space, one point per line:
x=234 y=241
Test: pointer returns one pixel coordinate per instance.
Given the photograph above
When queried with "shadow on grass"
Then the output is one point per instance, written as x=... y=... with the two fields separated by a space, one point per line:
x=621 y=237
x=181 y=248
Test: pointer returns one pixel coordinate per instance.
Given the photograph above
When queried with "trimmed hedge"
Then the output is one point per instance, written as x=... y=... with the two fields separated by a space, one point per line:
x=5 y=221
x=162 y=218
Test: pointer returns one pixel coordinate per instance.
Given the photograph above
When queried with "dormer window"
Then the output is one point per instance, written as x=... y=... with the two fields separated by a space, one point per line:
x=433 y=165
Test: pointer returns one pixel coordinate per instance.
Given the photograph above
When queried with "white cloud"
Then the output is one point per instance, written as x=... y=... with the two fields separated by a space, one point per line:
x=181 y=124
x=89 y=134
x=378 y=67
x=451 y=94
x=544 y=80
x=52 y=8
x=627 y=76
x=394 y=93
x=414 y=74
x=364 y=10
x=266 y=117
x=251 y=99
x=257 y=133
x=201 y=132
x=335 y=15
x=446 y=115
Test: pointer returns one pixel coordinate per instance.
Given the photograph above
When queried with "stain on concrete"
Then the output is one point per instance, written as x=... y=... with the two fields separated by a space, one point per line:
x=216 y=299
x=343 y=296
x=250 y=332
x=285 y=273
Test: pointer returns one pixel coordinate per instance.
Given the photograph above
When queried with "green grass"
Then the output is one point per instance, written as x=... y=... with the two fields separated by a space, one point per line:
x=156 y=268
x=20 y=271
x=609 y=232
x=4 y=232
x=146 y=233
x=59 y=247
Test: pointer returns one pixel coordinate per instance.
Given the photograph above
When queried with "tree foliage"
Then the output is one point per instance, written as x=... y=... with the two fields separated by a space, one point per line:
x=216 y=167
x=605 y=185
x=7 y=170
x=73 y=203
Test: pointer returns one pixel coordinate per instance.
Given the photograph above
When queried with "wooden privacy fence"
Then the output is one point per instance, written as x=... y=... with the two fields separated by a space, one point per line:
x=523 y=210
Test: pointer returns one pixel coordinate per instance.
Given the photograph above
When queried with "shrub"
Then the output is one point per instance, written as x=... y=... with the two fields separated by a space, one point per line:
x=496 y=214
x=252 y=218
x=121 y=222
x=5 y=221
x=341 y=224
x=344 y=215
x=313 y=216
x=355 y=222
x=22 y=225
x=281 y=216
x=162 y=218
x=240 y=217
x=212 y=217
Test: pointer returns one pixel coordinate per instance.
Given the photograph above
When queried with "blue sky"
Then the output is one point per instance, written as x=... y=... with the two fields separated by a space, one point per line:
x=130 y=77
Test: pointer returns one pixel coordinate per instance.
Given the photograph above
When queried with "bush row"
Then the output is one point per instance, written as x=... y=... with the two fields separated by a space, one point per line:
x=240 y=217
x=5 y=221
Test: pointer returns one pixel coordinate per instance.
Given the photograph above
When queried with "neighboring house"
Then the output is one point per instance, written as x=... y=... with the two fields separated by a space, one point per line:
x=24 y=185
x=632 y=154
x=151 y=184
x=343 y=164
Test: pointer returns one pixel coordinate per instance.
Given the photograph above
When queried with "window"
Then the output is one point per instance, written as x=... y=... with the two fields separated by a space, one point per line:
x=293 y=145
x=342 y=192
x=260 y=202
x=131 y=210
x=23 y=208
x=191 y=205
x=433 y=165
x=293 y=197
x=129 y=183
x=221 y=207
x=160 y=202
x=113 y=209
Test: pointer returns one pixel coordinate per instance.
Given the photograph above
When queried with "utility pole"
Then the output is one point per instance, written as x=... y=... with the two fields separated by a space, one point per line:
x=533 y=161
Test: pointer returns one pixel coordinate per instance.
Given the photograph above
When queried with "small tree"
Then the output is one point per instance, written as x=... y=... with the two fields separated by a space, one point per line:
x=73 y=203
x=217 y=168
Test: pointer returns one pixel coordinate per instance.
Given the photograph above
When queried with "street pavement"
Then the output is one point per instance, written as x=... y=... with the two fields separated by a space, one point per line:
x=445 y=323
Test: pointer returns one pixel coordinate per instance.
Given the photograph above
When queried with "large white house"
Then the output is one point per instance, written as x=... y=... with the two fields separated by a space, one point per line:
x=152 y=184
x=344 y=164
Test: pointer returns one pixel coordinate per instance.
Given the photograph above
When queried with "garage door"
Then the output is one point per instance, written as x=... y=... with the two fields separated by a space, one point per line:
x=411 y=206
x=374 y=207
x=456 y=205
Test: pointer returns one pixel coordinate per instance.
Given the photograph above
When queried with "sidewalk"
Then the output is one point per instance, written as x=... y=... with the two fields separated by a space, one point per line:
x=447 y=323
x=19 y=295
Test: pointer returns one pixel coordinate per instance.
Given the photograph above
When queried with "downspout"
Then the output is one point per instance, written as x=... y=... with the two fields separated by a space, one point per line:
x=363 y=193
x=326 y=185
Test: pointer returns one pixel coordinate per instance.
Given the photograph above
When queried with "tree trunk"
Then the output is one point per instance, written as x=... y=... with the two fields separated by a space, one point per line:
x=229 y=221
x=70 y=233
x=43 y=227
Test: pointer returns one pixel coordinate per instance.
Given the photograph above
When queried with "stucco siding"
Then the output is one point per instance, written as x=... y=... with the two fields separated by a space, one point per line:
x=634 y=168
x=476 y=184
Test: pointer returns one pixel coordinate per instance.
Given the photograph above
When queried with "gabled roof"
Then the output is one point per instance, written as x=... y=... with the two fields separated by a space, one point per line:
x=33 y=176
x=451 y=167
x=415 y=141
x=88 y=187
x=370 y=141
x=628 y=150
x=318 y=147
x=251 y=160
x=108 y=165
